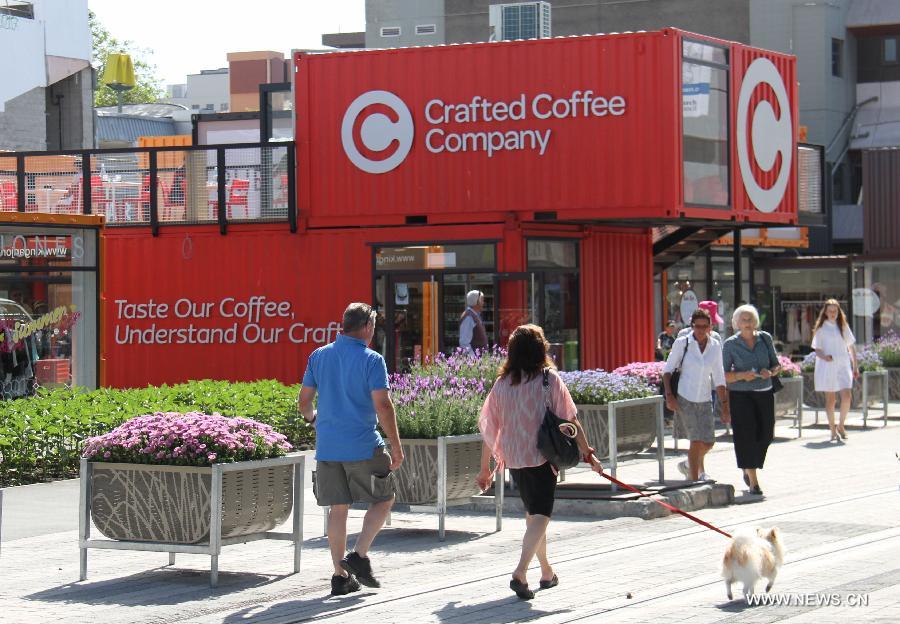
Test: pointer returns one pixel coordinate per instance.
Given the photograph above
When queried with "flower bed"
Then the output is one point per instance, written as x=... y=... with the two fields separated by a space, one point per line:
x=191 y=439
x=650 y=372
x=598 y=387
x=42 y=437
x=867 y=358
x=151 y=479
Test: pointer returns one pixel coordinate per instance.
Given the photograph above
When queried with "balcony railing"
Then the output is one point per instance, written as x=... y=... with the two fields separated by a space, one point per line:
x=155 y=186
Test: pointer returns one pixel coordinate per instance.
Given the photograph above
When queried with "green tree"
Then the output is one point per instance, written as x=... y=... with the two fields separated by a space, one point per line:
x=147 y=88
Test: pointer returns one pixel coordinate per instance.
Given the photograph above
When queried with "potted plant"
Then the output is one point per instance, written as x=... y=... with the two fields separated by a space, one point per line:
x=792 y=380
x=151 y=478
x=868 y=360
x=593 y=390
x=888 y=349
x=437 y=403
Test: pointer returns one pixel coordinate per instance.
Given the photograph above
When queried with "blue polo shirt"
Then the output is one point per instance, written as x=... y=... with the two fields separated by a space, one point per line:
x=345 y=373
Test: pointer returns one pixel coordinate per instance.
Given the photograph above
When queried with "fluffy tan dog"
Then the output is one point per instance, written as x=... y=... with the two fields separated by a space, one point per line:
x=752 y=555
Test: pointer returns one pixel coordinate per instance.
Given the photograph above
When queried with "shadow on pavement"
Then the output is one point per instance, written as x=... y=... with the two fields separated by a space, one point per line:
x=734 y=606
x=824 y=444
x=312 y=608
x=513 y=609
x=162 y=586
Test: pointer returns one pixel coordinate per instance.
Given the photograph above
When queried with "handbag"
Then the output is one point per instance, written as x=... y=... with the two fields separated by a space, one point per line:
x=558 y=447
x=777 y=386
x=676 y=374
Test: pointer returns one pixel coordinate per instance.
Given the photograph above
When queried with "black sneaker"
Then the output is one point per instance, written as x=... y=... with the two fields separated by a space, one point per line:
x=342 y=585
x=361 y=568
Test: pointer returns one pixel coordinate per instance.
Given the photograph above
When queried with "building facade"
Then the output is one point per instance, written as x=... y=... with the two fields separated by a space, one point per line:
x=46 y=79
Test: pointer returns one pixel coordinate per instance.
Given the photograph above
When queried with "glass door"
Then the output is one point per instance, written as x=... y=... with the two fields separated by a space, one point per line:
x=412 y=320
x=514 y=305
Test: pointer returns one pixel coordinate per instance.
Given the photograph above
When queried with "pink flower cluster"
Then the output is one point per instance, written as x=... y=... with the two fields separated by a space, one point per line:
x=186 y=439
x=788 y=368
x=651 y=372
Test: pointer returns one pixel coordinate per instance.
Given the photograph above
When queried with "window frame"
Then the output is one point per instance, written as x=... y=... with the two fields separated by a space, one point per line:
x=425 y=33
x=383 y=30
x=837 y=60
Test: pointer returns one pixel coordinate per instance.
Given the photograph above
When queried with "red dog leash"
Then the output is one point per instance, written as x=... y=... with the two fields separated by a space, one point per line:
x=664 y=504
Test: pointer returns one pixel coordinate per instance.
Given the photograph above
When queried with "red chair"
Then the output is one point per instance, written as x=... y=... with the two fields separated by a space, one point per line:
x=238 y=195
x=8 y=201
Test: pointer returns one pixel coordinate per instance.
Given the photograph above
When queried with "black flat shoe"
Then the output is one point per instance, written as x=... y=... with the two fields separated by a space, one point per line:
x=756 y=491
x=551 y=583
x=521 y=589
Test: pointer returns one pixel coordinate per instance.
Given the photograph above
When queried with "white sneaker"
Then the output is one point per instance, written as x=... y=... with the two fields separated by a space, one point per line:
x=683 y=469
x=704 y=476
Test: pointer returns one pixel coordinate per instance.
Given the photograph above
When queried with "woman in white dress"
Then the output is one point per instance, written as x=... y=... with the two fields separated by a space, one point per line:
x=836 y=367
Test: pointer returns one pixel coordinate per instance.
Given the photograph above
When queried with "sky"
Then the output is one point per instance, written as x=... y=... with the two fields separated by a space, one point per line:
x=186 y=36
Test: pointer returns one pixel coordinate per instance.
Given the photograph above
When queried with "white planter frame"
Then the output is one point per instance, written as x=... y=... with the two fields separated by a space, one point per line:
x=885 y=396
x=214 y=546
x=798 y=409
x=613 y=439
x=442 y=503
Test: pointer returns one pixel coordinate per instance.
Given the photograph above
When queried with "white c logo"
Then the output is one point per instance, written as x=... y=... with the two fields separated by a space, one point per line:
x=771 y=136
x=377 y=132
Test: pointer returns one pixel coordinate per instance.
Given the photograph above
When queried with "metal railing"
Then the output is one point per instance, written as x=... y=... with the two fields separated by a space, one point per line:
x=156 y=186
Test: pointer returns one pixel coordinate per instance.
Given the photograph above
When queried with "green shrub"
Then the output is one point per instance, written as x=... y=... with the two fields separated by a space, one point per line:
x=41 y=437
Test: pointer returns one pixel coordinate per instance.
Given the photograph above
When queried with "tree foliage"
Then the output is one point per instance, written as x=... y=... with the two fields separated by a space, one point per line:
x=147 y=88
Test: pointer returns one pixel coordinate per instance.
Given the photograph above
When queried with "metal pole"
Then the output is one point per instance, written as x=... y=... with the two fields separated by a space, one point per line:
x=499 y=487
x=84 y=516
x=865 y=397
x=1 y=510
x=299 y=476
x=885 y=397
x=800 y=409
x=215 y=524
x=738 y=278
x=442 y=485
x=613 y=443
x=660 y=440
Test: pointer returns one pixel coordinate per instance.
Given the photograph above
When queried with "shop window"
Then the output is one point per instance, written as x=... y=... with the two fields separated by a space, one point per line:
x=796 y=296
x=450 y=256
x=48 y=309
x=705 y=124
x=876 y=300
x=685 y=288
x=552 y=254
x=889 y=51
x=837 y=57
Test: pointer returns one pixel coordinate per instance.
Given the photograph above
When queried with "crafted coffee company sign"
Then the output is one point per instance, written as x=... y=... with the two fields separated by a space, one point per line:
x=378 y=132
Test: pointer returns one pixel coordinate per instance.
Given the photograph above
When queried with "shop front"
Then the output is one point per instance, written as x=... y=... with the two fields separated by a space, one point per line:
x=421 y=174
x=48 y=303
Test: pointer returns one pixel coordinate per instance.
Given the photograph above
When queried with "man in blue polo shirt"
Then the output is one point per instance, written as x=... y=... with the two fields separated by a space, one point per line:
x=352 y=465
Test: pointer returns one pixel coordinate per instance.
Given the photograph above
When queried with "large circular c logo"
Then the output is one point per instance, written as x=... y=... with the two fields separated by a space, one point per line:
x=770 y=135
x=377 y=132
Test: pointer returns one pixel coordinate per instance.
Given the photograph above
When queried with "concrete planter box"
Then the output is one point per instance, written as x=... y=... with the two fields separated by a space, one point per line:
x=786 y=400
x=417 y=480
x=817 y=399
x=146 y=503
x=442 y=472
x=894 y=375
x=635 y=428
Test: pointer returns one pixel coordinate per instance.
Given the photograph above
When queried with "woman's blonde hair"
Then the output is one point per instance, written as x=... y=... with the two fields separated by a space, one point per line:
x=741 y=310
x=841 y=317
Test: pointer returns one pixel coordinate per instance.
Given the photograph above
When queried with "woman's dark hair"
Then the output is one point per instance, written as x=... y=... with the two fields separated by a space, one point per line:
x=700 y=313
x=527 y=354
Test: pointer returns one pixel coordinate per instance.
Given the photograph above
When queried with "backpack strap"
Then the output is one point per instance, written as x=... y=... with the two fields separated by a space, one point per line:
x=546 y=385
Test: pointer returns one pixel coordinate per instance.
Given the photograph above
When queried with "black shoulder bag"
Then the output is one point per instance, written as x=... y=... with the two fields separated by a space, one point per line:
x=676 y=374
x=557 y=447
x=777 y=386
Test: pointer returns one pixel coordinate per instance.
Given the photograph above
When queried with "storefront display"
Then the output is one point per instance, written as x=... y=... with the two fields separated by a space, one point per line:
x=48 y=303
x=876 y=299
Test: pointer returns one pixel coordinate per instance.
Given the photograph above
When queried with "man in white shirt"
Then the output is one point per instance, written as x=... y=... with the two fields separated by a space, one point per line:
x=699 y=358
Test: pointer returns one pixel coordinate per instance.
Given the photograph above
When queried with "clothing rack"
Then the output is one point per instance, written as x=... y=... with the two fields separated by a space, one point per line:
x=789 y=304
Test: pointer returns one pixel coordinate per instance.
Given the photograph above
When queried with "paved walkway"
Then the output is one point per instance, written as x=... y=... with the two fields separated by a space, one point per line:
x=837 y=505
